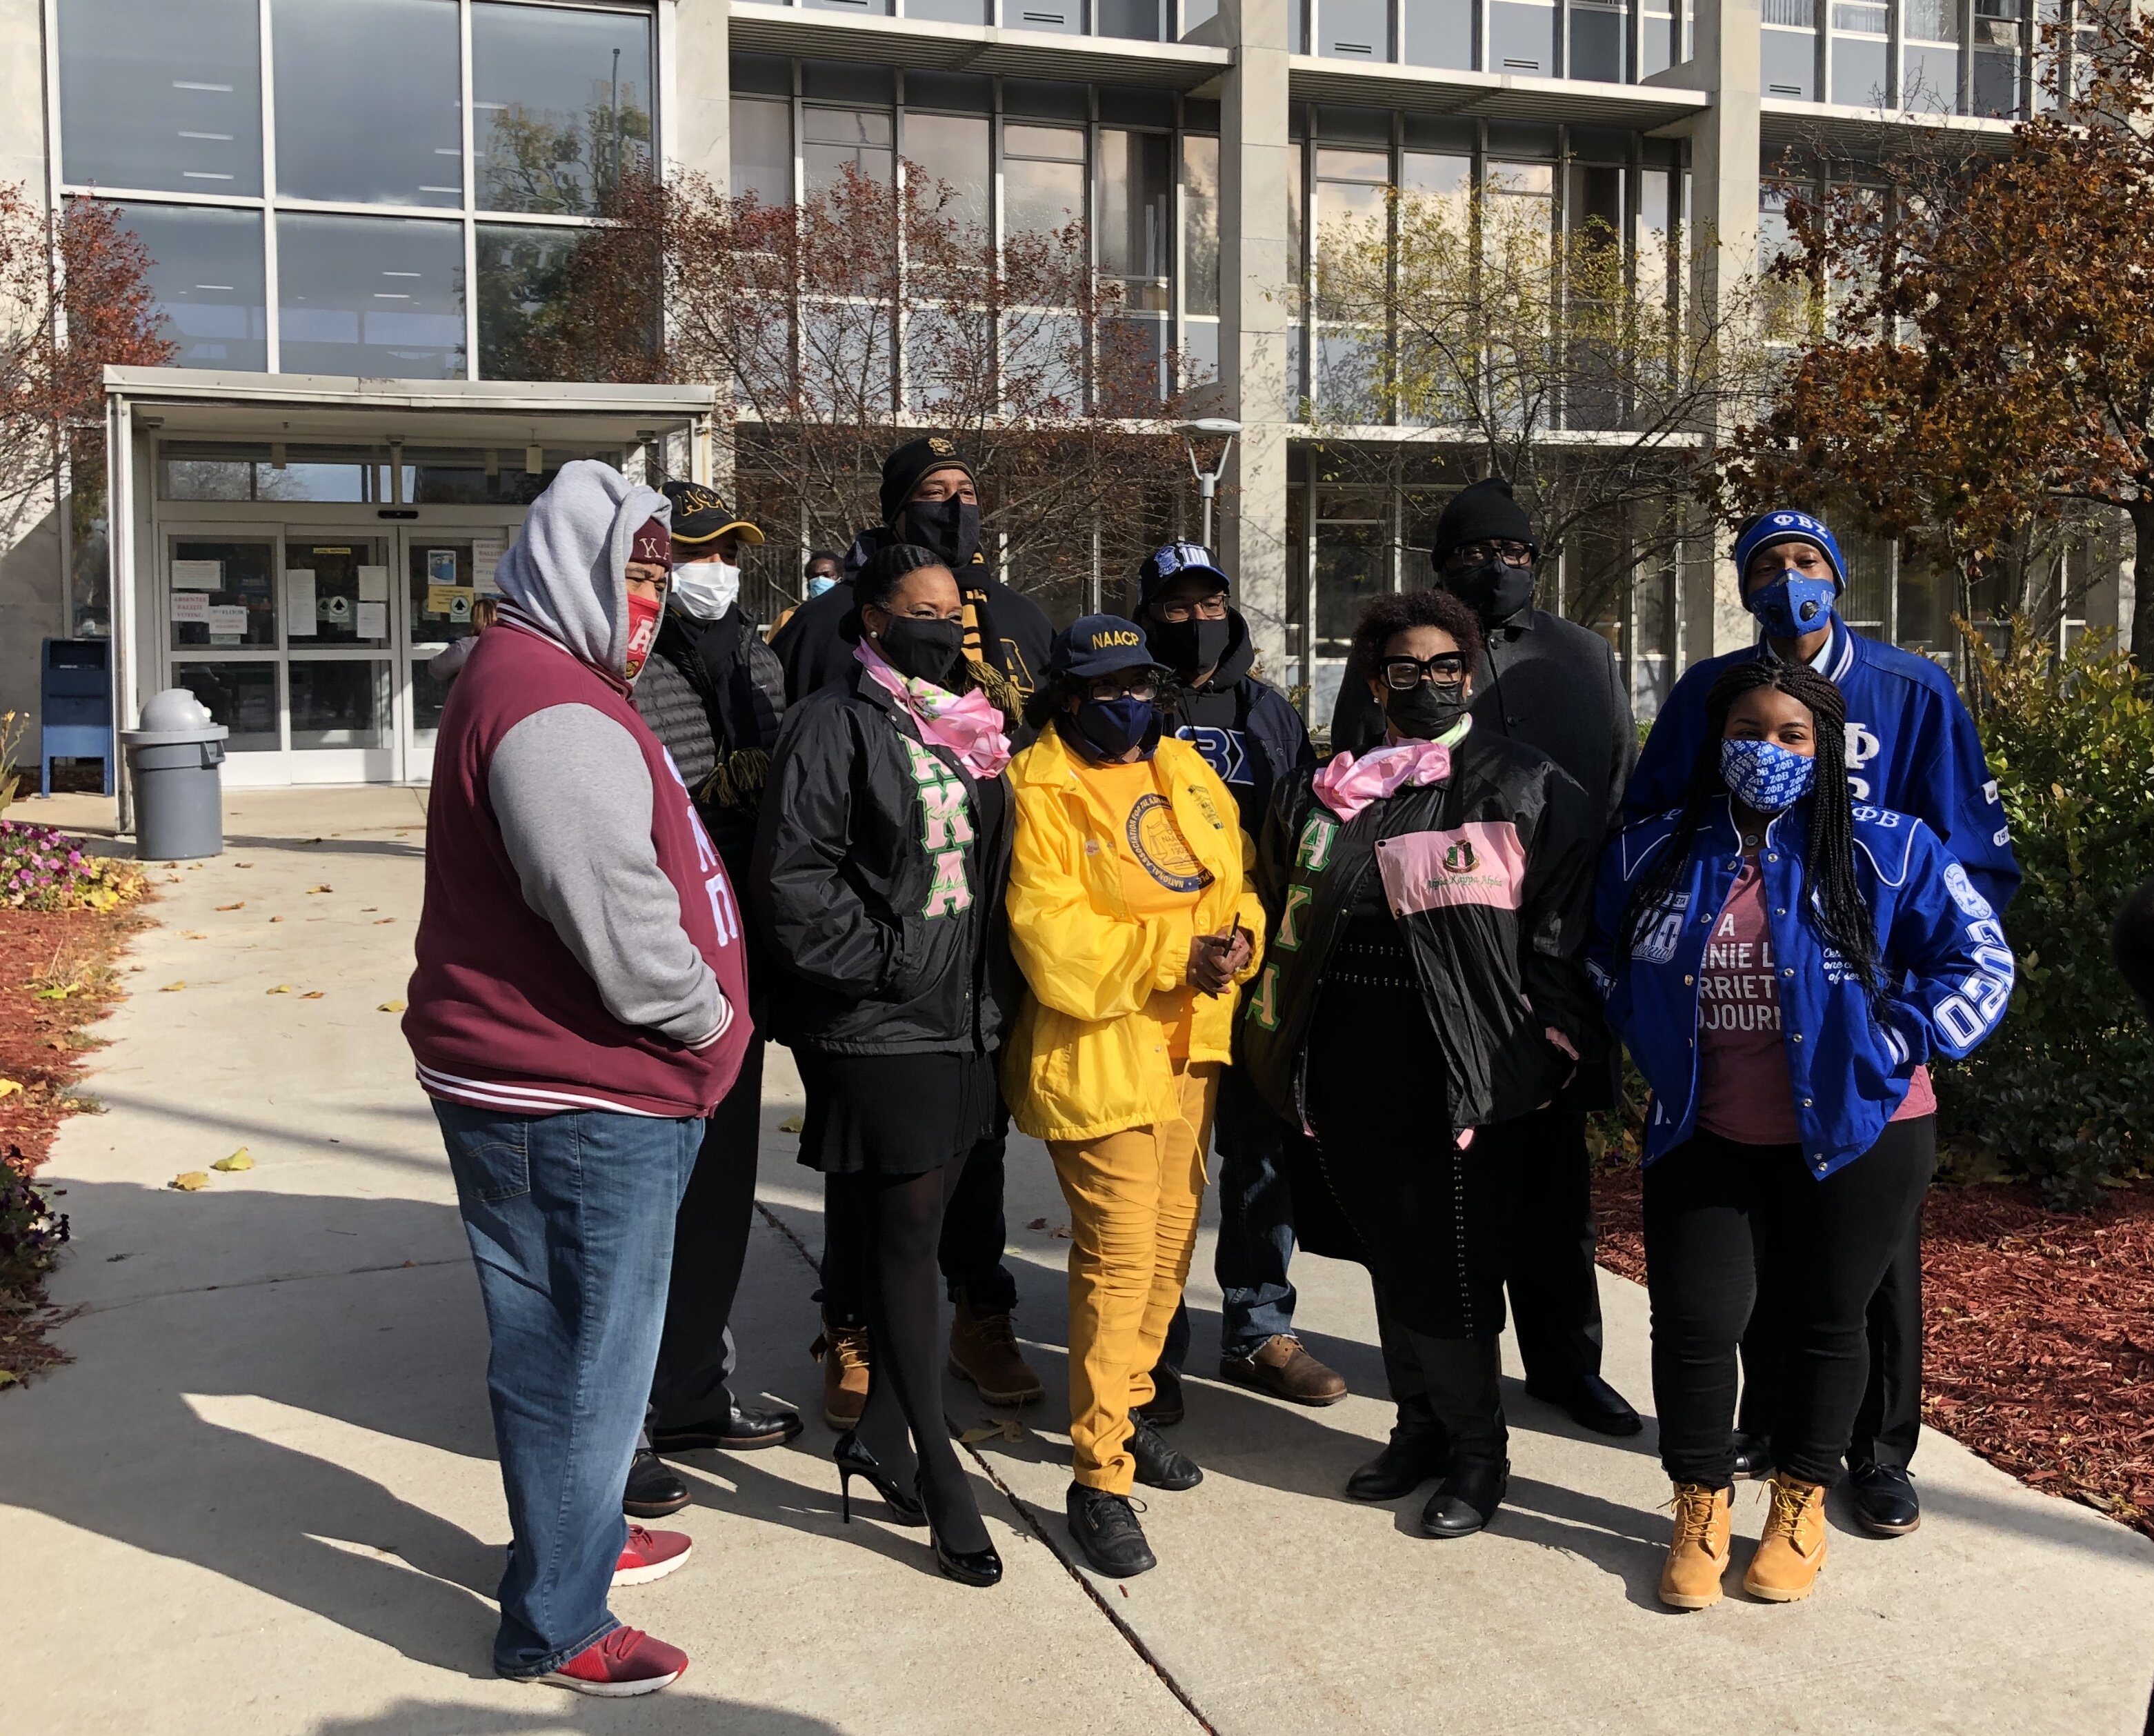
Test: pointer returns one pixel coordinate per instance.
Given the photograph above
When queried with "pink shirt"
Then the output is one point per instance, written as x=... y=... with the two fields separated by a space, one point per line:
x=1744 y=1091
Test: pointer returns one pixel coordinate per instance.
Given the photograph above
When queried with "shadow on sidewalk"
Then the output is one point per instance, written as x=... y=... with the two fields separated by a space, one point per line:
x=678 y=1712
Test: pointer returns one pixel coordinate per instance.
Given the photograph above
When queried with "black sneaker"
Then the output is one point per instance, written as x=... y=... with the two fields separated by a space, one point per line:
x=1105 y=1528
x=1160 y=1463
x=655 y=1488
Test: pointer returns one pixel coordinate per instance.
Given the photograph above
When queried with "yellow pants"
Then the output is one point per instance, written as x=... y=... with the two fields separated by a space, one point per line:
x=1133 y=1199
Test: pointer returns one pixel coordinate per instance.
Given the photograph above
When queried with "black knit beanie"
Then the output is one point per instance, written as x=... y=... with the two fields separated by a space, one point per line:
x=902 y=470
x=1483 y=512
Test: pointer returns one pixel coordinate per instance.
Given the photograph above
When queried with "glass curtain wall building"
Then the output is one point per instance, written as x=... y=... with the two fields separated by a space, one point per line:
x=371 y=189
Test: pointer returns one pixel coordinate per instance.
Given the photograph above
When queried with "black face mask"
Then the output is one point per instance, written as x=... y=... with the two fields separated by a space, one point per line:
x=1424 y=711
x=1495 y=589
x=950 y=528
x=1189 y=647
x=1111 y=727
x=928 y=650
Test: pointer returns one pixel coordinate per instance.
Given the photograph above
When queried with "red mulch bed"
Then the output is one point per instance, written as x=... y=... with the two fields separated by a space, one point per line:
x=43 y=1042
x=2040 y=1332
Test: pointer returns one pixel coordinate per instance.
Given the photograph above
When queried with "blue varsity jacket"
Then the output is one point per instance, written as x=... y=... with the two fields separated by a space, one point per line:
x=1938 y=940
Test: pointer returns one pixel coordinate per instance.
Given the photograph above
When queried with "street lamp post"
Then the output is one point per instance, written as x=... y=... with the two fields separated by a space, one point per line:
x=1208 y=481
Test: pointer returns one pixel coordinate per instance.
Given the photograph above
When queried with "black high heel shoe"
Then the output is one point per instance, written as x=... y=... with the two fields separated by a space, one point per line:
x=854 y=1460
x=968 y=1567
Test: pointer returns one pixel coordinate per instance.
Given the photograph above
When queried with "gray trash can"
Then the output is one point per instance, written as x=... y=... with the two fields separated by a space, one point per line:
x=172 y=762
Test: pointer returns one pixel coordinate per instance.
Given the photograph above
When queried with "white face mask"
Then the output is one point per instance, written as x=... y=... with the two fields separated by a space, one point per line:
x=706 y=589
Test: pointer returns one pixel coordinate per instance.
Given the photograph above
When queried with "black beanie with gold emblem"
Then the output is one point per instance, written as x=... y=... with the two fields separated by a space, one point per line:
x=902 y=470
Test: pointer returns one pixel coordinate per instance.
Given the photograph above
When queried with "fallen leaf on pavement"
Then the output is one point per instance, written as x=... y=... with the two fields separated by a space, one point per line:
x=276 y=919
x=241 y=904
x=172 y=989
x=994 y=1429
x=321 y=889
x=8 y=1087
x=242 y=864
x=237 y=1160
x=192 y=934
x=7 y=1379
x=390 y=1007
x=281 y=989
x=1062 y=1233
x=379 y=920
x=191 y=1180
x=792 y=1124
x=1037 y=1223
x=312 y=994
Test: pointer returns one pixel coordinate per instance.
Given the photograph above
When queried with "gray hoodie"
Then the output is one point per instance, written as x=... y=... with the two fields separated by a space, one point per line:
x=570 y=785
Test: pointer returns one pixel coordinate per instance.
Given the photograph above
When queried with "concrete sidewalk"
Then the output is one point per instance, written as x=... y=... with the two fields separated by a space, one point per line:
x=262 y=1498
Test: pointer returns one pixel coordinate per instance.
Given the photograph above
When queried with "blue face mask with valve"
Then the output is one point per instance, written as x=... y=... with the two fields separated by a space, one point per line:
x=1764 y=776
x=1792 y=606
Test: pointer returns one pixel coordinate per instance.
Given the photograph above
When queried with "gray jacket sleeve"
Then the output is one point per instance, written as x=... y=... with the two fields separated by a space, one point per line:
x=573 y=796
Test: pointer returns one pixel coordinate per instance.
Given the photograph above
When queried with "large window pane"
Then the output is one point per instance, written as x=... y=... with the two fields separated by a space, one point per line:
x=371 y=295
x=343 y=703
x=243 y=696
x=1438 y=32
x=350 y=586
x=519 y=273
x=1522 y=39
x=953 y=149
x=206 y=273
x=1136 y=205
x=833 y=140
x=161 y=96
x=1787 y=62
x=1043 y=177
x=561 y=104
x=1596 y=41
x=1135 y=18
x=1656 y=37
x=1858 y=66
x=1355 y=29
x=1200 y=224
x=762 y=149
x=366 y=101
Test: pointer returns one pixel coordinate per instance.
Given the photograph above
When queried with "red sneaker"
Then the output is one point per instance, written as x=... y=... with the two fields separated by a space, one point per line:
x=626 y=1661
x=651 y=1555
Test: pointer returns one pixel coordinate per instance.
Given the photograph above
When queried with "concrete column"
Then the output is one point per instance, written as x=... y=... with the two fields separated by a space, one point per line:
x=1723 y=243
x=699 y=132
x=1255 y=267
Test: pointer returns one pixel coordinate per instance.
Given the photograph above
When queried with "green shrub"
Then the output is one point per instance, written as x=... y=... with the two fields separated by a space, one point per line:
x=2064 y=1093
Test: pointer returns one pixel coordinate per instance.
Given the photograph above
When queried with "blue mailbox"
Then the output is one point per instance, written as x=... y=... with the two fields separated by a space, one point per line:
x=74 y=705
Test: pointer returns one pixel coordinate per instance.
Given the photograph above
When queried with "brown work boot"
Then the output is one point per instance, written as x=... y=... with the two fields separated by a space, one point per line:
x=1791 y=1554
x=983 y=1351
x=843 y=1352
x=1280 y=1366
x=1698 y=1554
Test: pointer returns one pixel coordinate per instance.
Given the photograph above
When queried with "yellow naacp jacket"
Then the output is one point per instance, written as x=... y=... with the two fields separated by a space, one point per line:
x=1083 y=1060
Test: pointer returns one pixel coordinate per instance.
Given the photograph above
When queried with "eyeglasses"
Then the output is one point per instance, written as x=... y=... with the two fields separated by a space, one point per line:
x=1403 y=675
x=1471 y=554
x=1210 y=608
x=1137 y=684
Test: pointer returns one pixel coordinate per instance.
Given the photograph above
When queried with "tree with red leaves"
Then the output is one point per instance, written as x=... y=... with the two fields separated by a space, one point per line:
x=839 y=327
x=76 y=298
x=1983 y=359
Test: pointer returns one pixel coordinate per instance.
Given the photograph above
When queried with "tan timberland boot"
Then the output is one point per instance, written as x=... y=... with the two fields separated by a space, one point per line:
x=1697 y=1554
x=983 y=1351
x=843 y=1352
x=1791 y=1552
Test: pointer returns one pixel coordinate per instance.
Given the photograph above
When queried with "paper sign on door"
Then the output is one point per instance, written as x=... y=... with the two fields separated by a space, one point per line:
x=198 y=575
x=374 y=620
x=485 y=556
x=299 y=603
x=374 y=584
x=227 y=620
x=191 y=605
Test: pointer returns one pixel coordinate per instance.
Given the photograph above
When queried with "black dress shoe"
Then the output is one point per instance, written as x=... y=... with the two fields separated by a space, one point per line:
x=655 y=1488
x=1165 y=1408
x=1884 y=1498
x=1591 y=1402
x=1160 y=1465
x=1105 y=1528
x=1754 y=1456
x=740 y=1430
x=1409 y=1458
x=1466 y=1500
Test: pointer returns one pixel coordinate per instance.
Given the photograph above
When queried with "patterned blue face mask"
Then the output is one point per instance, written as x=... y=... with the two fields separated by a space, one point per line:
x=1765 y=777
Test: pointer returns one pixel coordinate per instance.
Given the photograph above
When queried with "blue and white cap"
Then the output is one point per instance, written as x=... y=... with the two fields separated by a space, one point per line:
x=1175 y=561
x=1783 y=524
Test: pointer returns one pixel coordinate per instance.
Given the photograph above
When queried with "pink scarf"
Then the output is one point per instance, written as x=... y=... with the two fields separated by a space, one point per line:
x=969 y=724
x=1346 y=785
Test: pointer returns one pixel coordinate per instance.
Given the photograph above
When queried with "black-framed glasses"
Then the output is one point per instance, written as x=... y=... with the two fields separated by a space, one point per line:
x=1138 y=684
x=1471 y=554
x=1403 y=675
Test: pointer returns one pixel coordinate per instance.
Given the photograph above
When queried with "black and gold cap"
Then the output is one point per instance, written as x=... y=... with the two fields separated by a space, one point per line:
x=700 y=516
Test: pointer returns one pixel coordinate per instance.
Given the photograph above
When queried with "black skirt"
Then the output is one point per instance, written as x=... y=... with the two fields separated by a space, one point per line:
x=893 y=1115
x=1433 y=1222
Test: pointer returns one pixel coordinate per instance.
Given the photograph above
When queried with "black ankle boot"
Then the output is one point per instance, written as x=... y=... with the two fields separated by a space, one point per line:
x=1409 y=1459
x=1465 y=1391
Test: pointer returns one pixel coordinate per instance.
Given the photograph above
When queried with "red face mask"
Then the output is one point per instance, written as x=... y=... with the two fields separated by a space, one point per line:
x=642 y=628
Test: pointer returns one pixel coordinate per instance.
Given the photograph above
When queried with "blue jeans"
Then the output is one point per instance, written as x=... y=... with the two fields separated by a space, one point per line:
x=1256 y=1228
x=570 y=1219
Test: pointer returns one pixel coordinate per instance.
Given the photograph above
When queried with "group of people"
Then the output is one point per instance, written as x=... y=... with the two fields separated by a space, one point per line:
x=970 y=871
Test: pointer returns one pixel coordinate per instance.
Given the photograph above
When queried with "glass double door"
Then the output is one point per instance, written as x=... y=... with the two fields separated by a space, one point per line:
x=311 y=643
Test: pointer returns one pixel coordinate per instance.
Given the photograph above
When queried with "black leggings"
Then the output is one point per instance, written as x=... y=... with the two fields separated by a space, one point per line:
x=901 y=1218
x=1732 y=1226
